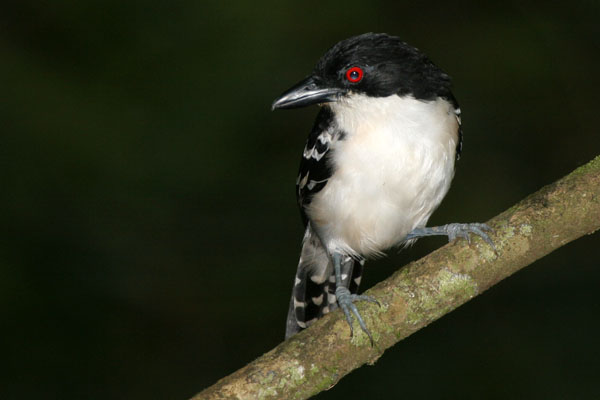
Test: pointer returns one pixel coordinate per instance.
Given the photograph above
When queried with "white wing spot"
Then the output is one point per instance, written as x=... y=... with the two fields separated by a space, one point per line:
x=299 y=304
x=325 y=137
x=302 y=181
x=318 y=300
x=312 y=184
x=313 y=153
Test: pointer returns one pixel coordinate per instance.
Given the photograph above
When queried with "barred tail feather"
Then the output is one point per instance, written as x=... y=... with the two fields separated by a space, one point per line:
x=313 y=294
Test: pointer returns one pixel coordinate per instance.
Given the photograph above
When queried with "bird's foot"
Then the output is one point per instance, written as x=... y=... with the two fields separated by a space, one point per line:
x=455 y=230
x=346 y=300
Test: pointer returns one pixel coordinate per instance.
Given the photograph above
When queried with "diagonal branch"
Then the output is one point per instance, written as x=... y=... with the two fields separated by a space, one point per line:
x=423 y=291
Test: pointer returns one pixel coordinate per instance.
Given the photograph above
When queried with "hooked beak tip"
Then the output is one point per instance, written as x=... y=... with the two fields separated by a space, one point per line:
x=305 y=93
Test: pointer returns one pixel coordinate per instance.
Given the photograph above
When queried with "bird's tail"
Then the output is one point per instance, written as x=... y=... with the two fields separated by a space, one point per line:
x=313 y=294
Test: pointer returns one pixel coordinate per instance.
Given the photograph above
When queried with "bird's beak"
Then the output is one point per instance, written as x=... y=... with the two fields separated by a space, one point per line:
x=305 y=93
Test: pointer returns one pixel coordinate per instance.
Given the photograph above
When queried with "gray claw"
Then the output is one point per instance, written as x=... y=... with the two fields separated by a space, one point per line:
x=463 y=231
x=479 y=229
x=346 y=302
x=454 y=231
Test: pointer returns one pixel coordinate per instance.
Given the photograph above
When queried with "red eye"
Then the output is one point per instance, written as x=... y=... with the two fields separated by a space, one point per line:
x=354 y=74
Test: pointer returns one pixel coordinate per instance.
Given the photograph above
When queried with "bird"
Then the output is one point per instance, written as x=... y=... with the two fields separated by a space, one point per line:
x=377 y=163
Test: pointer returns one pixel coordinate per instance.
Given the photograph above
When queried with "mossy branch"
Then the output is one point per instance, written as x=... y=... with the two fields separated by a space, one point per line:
x=421 y=292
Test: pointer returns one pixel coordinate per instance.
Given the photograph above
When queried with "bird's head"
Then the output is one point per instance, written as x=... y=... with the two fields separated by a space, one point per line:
x=372 y=64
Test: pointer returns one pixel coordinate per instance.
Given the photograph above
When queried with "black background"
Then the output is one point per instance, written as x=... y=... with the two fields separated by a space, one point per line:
x=150 y=231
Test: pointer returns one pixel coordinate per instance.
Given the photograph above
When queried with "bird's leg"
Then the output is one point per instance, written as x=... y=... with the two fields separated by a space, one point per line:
x=346 y=268
x=346 y=300
x=453 y=231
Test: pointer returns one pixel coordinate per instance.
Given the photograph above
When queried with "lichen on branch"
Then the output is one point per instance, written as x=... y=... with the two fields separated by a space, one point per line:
x=421 y=292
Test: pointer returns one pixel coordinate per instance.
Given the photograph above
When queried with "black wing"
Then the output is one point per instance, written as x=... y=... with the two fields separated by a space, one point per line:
x=315 y=168
x=314 y=285
x=459 y=143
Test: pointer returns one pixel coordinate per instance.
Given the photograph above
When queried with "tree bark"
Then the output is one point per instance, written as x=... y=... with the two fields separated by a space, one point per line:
x=421 y=292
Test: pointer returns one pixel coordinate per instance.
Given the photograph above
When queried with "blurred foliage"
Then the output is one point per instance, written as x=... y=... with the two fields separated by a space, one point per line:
x=150 y=228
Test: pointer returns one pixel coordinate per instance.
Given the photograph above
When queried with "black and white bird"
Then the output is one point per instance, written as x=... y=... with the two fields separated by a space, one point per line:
x=377 y=163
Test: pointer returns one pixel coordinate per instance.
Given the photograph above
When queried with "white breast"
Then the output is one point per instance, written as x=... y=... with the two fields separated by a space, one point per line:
x=391 y=171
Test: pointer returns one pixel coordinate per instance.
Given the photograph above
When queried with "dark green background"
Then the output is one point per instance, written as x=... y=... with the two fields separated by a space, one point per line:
x=149 y=227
